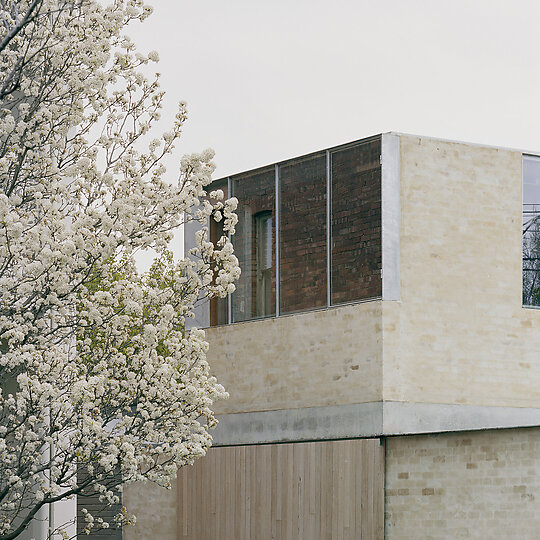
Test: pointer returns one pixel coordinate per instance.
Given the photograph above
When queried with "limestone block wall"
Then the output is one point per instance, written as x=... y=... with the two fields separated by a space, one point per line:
x=155 y=509
x=459 y=334
x=474 y=485
x=319 y=358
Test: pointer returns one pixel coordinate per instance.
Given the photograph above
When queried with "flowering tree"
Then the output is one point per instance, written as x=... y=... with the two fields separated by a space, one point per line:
x=97 y=371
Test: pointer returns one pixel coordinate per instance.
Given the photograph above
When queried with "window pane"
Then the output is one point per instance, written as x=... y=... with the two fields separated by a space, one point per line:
x=218 y=306
x=356 y=223
x=254 y=245
x=303 y=233
x=531 y=231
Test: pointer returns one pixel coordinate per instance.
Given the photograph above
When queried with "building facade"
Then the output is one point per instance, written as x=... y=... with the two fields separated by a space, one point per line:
x=381 y=351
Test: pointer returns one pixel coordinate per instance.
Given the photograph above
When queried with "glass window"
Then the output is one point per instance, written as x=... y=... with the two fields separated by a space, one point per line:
x=254 y=245
x=356 y=255
x=531 y=231
x=218 y=306
x=265 y=269
x=302 y=233
x=351 y=252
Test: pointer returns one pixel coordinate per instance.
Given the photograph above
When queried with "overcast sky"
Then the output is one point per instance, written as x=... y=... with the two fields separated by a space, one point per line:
x=269 y=80
x=266 y=81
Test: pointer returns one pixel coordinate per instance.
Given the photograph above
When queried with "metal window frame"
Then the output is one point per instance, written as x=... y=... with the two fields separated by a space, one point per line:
x=328 y=228
x=534 y=158
x=277 y=202
x=229 y=296
x=277 y=205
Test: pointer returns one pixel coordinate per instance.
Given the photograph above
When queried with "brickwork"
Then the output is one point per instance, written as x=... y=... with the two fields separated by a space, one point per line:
x=468 y=485
x=325 y=357
x=460 y=334
x=356 y=222
x=156 y=511
x=255 y=192
x=303 y=233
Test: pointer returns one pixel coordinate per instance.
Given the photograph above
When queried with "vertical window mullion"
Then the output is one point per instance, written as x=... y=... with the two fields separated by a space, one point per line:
x=229 y=296
x=278 y=244
x=328 y=229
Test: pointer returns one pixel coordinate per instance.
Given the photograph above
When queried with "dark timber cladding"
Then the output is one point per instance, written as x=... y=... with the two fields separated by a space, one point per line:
x=89 y=500
x=312 y=491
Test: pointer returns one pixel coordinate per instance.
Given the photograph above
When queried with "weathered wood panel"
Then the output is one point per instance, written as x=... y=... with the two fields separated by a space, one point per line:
x=305 y=491
x=89 y=500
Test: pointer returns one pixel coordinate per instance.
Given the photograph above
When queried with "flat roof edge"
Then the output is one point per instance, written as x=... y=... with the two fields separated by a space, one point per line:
x=468 y=143
x=292 y=158
x=372 y=138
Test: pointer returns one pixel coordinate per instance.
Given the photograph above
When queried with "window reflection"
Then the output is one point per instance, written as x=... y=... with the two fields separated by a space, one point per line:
x=356 y=222
x=263 y=246
x=348 y=256
x=218 y=306
x=254 y=245
x=531 y=231
x=302 y=229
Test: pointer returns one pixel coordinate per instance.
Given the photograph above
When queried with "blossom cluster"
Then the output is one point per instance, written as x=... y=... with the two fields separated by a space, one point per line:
x=97 y=370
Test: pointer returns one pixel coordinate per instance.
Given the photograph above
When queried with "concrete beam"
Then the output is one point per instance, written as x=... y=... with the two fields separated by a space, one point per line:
x=361 y=420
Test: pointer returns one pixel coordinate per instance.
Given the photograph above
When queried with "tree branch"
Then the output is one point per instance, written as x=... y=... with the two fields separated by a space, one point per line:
x=28 y=17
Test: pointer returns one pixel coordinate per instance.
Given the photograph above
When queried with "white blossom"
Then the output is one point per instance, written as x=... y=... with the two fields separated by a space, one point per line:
x=97 y=369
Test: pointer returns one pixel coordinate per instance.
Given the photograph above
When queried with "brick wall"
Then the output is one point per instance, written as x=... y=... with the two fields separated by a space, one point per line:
x=356 y=222
x=356 y=253
x=474 y=485
x=256 y=193
x=314 y=359
x=303 y=233
x=459 y=333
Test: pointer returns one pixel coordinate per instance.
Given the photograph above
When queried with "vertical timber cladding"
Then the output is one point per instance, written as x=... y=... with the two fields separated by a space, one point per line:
x=89 y=500
x=311 y=491
x=356 y=250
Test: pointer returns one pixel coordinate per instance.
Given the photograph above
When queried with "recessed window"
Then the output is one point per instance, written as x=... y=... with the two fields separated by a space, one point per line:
x=531 y=231
x=302 y=234
x=308 y=234
x=254 y=245
x=356 y=249
x=263 y=255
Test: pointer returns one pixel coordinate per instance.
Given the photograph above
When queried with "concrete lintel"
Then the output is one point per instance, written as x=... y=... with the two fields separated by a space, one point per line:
x=409 y=418
x=286 y=425
x=372 y=419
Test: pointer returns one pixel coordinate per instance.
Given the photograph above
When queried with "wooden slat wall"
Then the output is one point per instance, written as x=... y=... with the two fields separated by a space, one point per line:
x=312 y=491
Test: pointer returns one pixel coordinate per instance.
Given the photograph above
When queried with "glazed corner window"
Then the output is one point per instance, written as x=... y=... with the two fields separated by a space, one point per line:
x=263 y=256
x=308 y=234
x=531 y=231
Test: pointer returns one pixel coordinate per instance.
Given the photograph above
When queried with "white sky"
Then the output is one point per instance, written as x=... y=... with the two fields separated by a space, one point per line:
x=268 y=80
